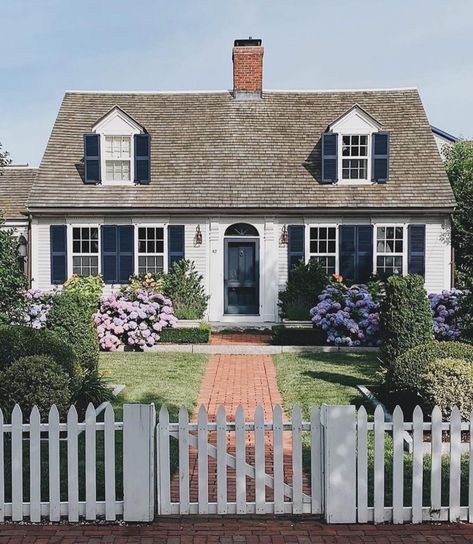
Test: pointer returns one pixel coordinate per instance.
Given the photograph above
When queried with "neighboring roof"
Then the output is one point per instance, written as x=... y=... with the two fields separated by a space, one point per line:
x=15 y=186
x=444 y=134
x=209 y=150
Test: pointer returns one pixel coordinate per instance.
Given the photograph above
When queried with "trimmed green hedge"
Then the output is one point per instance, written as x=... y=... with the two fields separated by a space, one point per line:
x=186 y=336
x=283 y=336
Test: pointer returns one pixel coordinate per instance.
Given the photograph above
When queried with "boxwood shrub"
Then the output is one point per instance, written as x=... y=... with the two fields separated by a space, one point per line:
x=288 y=336
x=448 y=383
x=405 y=317
x=199 y=335
x=408 y=371
x=37 y=380
x=17 y=341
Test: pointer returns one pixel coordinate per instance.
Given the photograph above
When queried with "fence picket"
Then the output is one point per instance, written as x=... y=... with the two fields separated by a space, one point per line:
x=2 y=470
x=72 y=465
x=470 y=472
x=35 y=465
x=296 y=460
x=436 y=461
x=455 y=468
x=54 y=465
x=278 y=460
x=379 y=465
x=222 y=497
x=109 y=460
x=17 y=463
x=260 y=490
x=164 y=481
x=417 y=464
x=90 y=464
x=240 y=453
x=398 y=465
x=362 y=465
x=203 y=461
x=183 y=460
x=315 y=460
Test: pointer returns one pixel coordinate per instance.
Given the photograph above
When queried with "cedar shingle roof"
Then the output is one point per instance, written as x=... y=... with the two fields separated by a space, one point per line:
x=15 y=186
x=209 y=150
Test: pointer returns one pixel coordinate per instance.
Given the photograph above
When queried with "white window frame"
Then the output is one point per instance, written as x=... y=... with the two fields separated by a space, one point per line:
x=165 y=242
x=404 y=245
x=367 y=158
x=309 y=254
x=107 y=159
x=70 y=246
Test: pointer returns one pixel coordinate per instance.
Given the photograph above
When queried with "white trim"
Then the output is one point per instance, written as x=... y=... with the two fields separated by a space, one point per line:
x=163 y=226
x=404 y=245
x=71 y=254
x=310 y=254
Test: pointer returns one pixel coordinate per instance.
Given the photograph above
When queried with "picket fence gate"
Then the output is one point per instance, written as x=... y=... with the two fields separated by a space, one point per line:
x=341 y=464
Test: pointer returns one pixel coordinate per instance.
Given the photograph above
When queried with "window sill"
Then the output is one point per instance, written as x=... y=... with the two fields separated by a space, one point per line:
x=355 y=182
x=119 y=183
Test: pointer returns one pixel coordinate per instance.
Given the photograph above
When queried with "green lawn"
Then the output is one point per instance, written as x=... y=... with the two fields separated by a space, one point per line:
x=163 y=378
x=317 y=378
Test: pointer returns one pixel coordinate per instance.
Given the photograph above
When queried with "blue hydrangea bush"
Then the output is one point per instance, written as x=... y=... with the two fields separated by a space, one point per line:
x=348 y=315
x=36 y=307
x=445 y=314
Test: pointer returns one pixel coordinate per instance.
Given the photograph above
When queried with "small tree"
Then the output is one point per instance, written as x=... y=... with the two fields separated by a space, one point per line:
x=13 y=282
x=459 y=165
x=4 y=160
x=406 y=317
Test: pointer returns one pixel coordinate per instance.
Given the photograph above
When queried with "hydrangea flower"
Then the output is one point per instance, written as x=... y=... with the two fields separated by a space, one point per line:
x=133 y=318
x=38 y=304
x=447 y=322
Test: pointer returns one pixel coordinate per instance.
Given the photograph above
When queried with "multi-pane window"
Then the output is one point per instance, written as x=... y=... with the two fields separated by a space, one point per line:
x=323 y=247
x=355 y=157
x=150 y=249
x=85 y=251
x=117 y=158
x=389 y=249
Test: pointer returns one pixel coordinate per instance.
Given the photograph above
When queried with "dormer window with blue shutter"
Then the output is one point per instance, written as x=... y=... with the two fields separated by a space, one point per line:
x=355 y=150
x=117 y=151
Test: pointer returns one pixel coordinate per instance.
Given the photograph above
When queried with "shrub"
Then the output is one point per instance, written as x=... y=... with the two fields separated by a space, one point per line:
x=18 y=341
x=409 y=369
x=304 y=284
x=446 y=316
x=150 y=281
x=466 y=312
x=183 y=285
x=71 y=318
x=92 y=387
x=88 y=288
x=405 y=317
x=35 y=380
x=288 y=336
x=37 y=306
x=13 y=282
x=448 y=383
x=133 y=318
x=187 y=335
x=348 y=316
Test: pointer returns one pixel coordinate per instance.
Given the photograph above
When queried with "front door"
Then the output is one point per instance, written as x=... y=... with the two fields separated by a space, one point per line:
x=241 y=276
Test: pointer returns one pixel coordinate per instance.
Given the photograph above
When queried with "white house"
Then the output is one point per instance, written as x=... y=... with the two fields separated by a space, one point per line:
x=243 y=182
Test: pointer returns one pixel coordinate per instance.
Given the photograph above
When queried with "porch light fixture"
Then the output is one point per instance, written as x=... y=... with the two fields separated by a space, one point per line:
x=22 y=251
x=198 y=236
x=284 y=235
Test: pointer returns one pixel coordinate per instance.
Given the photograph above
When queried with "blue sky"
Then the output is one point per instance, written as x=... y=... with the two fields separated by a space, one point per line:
x=49 y=46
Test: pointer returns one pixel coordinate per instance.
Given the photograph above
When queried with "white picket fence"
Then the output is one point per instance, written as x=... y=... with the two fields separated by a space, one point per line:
x=356 y=468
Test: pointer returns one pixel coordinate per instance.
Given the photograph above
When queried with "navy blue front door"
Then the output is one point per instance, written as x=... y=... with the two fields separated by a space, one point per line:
x=241 y=277
x=356 y=252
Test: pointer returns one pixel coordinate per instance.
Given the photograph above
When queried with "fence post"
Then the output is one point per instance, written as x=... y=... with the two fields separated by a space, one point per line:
x=139 y=427
x=339 y=432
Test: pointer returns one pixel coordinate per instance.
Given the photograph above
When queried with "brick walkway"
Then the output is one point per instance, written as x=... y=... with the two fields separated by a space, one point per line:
x=239 y=338
x=231 y=380
x=230 y=530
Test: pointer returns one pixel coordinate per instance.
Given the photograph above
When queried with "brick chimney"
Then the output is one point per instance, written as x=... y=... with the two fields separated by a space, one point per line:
x=247 y=59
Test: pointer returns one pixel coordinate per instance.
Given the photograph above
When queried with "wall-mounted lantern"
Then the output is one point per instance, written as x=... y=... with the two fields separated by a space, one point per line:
x=22 y=249
x=198 y=236
x=284 y=235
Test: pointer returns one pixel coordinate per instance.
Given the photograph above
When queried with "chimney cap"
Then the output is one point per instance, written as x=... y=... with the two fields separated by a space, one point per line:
x=249 y=42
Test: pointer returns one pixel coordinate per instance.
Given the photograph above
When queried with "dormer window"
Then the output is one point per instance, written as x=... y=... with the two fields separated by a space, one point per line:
x=355 y=157
x=118 y=158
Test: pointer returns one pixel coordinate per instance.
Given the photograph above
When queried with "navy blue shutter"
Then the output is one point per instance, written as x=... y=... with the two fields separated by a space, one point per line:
x=92 y=158
x=142 y=158
x=356 y=252
x=58 y=244
x=117 y=253
x=416 y=249
x=380 y=163
x=295 y=245
x=329 y=157
x=176 y=242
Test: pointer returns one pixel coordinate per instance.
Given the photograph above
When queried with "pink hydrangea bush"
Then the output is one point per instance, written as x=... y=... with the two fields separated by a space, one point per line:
x=133 y=318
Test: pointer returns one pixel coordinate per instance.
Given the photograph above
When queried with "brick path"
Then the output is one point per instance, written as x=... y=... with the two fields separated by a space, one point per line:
x=232 y=380
x=239 y=338
x=230 y=530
